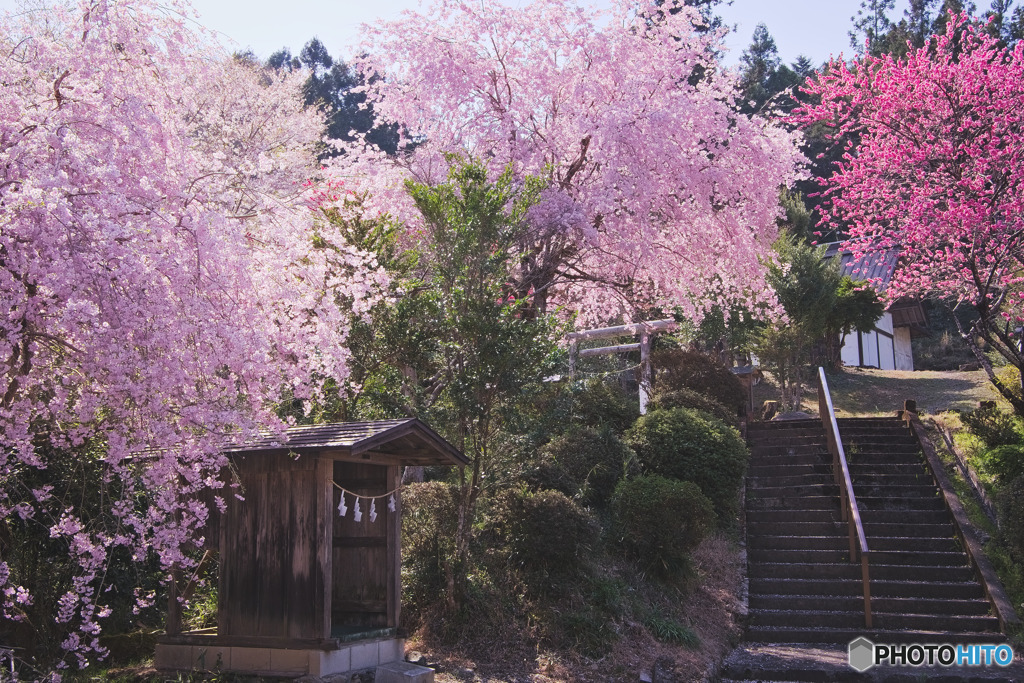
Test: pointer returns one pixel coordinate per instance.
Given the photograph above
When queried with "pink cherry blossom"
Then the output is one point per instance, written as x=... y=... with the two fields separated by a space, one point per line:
x=938 y=171
x=659 y=193
x=159 y=284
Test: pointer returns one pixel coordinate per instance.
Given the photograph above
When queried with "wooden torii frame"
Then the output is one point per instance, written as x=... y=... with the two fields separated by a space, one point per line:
x=645 y=329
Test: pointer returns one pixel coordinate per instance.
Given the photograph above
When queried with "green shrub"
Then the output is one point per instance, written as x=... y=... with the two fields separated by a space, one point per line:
x=993 y=426
x=679 y=369
x=1010 y=502
x=429 y=519
x=658 y=521
x=584 y=464
x=693 y=446
x=543 y=535
x=1005 y=463
x=602 y=404
x=688 y=398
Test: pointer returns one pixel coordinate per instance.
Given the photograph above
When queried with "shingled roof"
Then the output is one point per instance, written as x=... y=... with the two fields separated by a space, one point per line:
x=877 y=267
x=406 y=442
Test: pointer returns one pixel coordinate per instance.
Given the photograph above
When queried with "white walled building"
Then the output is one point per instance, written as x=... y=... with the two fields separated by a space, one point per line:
x=886 y=347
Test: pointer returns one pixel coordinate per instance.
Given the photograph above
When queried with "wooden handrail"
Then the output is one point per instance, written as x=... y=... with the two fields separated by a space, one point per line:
x=847 y=498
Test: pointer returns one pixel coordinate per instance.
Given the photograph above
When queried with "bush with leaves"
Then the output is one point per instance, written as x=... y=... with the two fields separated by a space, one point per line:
x=993 y=426
x=688 y=398
x=544 y=536
x=659 y=521
x=429 y=519
x=1010 y=503
x=584 y=464
x=597 y=403
x=1005 y=462
x=693 y=446
x=680 y=369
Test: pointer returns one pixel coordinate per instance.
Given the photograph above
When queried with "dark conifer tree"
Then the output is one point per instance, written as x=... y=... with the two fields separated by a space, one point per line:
x=871 y=24
x=331 y=85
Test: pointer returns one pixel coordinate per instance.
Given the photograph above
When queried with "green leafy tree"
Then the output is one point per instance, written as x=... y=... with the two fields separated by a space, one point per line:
x=821 y=304
x=454 y=346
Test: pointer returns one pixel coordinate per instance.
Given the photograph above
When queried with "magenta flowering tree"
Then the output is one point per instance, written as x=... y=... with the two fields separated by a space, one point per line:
x=161 y=279
x=659 y=193
x=938 y=173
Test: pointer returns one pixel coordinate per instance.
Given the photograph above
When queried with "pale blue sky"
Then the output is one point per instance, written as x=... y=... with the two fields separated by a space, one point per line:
x=817 y=28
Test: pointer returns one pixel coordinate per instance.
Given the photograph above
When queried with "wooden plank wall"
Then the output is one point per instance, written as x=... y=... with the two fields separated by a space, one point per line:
x=362 y=585
x=272 y=581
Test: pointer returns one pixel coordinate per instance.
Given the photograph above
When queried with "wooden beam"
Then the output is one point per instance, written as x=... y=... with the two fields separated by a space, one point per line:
x=604 y=350
x=664 y=325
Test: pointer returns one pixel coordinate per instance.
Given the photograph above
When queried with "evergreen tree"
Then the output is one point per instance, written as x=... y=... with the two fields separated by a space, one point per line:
x=760 y=61
x=282 y=60
x=948 y=7
x=871 y=24
x=803 y=67
x=918 y=18
x=331 y=85
x=1015 y=30
x=763 y=75
x=1004 y=24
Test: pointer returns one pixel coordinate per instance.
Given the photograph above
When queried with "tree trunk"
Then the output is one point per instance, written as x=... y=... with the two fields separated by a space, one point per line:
x=1014 y=399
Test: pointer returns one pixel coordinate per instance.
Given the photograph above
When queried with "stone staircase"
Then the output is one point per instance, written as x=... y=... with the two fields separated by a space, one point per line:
x=805 y=596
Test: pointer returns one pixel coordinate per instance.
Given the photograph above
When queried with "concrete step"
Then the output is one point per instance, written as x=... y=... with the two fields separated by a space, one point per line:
x=915 y=544
x=866 y=469
x=850 y=570
x=755 y=470
x=816 y=439
x=952 y=590
x=882 y=620
x=823 y=488
x=895 y=491
x=871 y=422
x=943 y=529
x=908 y=516
x=868 y=503
x=786 y=480
x=840 y=555
x=787 y=457
x=854 y=603
x=889 y=456
x=832 y=527
x=916 y=478
x=777 y=634
x=758 y=501
x=762 y=517
x=828 y=542
x=783 y=425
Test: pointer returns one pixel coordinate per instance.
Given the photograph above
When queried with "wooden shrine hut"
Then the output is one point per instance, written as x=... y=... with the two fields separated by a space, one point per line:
x=310 y=560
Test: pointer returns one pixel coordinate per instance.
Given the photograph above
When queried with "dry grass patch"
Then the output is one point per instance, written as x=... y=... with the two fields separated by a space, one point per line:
x=708 y=611
x=865 y=392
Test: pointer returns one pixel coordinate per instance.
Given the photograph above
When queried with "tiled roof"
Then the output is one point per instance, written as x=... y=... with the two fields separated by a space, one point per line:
x=408 y=439
x=877 y=267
